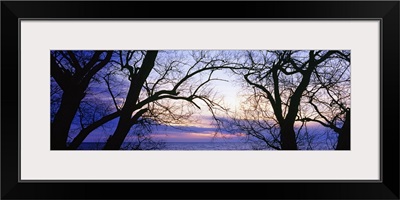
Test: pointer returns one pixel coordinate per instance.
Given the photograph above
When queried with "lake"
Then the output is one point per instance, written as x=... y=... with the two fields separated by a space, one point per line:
x=184 y=146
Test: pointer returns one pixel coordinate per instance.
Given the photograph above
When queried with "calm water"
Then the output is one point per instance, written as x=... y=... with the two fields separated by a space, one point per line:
x=184 y=146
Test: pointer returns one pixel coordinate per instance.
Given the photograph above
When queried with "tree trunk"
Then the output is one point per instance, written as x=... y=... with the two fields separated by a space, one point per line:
x=123 y=127
x=126 y=121
x=288 y=137
x=344 y=134
x=63 y=119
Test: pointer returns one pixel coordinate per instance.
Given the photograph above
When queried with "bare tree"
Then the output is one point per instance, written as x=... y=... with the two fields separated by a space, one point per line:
x=279 y=80
x=102 y=105
x=72 y=71
x=330 y=98
x=164 y=88
x=158 y=89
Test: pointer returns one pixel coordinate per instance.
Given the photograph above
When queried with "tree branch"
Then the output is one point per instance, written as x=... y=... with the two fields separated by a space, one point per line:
x=74 y=61
x=110 y=91
x=137 y=115
x=62 y=78
x=86 y=131
x=96 y=68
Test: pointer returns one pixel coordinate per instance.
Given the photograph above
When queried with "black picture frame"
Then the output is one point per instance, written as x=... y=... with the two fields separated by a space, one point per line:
x=386 y=11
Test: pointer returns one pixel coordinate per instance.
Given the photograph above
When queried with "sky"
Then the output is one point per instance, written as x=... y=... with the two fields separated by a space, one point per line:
x=202 y=130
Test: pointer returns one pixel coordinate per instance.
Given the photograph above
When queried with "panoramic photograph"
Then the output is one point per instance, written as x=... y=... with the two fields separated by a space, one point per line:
x=190 y=100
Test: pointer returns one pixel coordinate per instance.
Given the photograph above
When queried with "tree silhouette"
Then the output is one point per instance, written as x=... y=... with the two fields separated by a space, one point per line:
x=330 y=98
x=73 y=72
x=142 y=86
x=279 y=80
x=155 y=95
